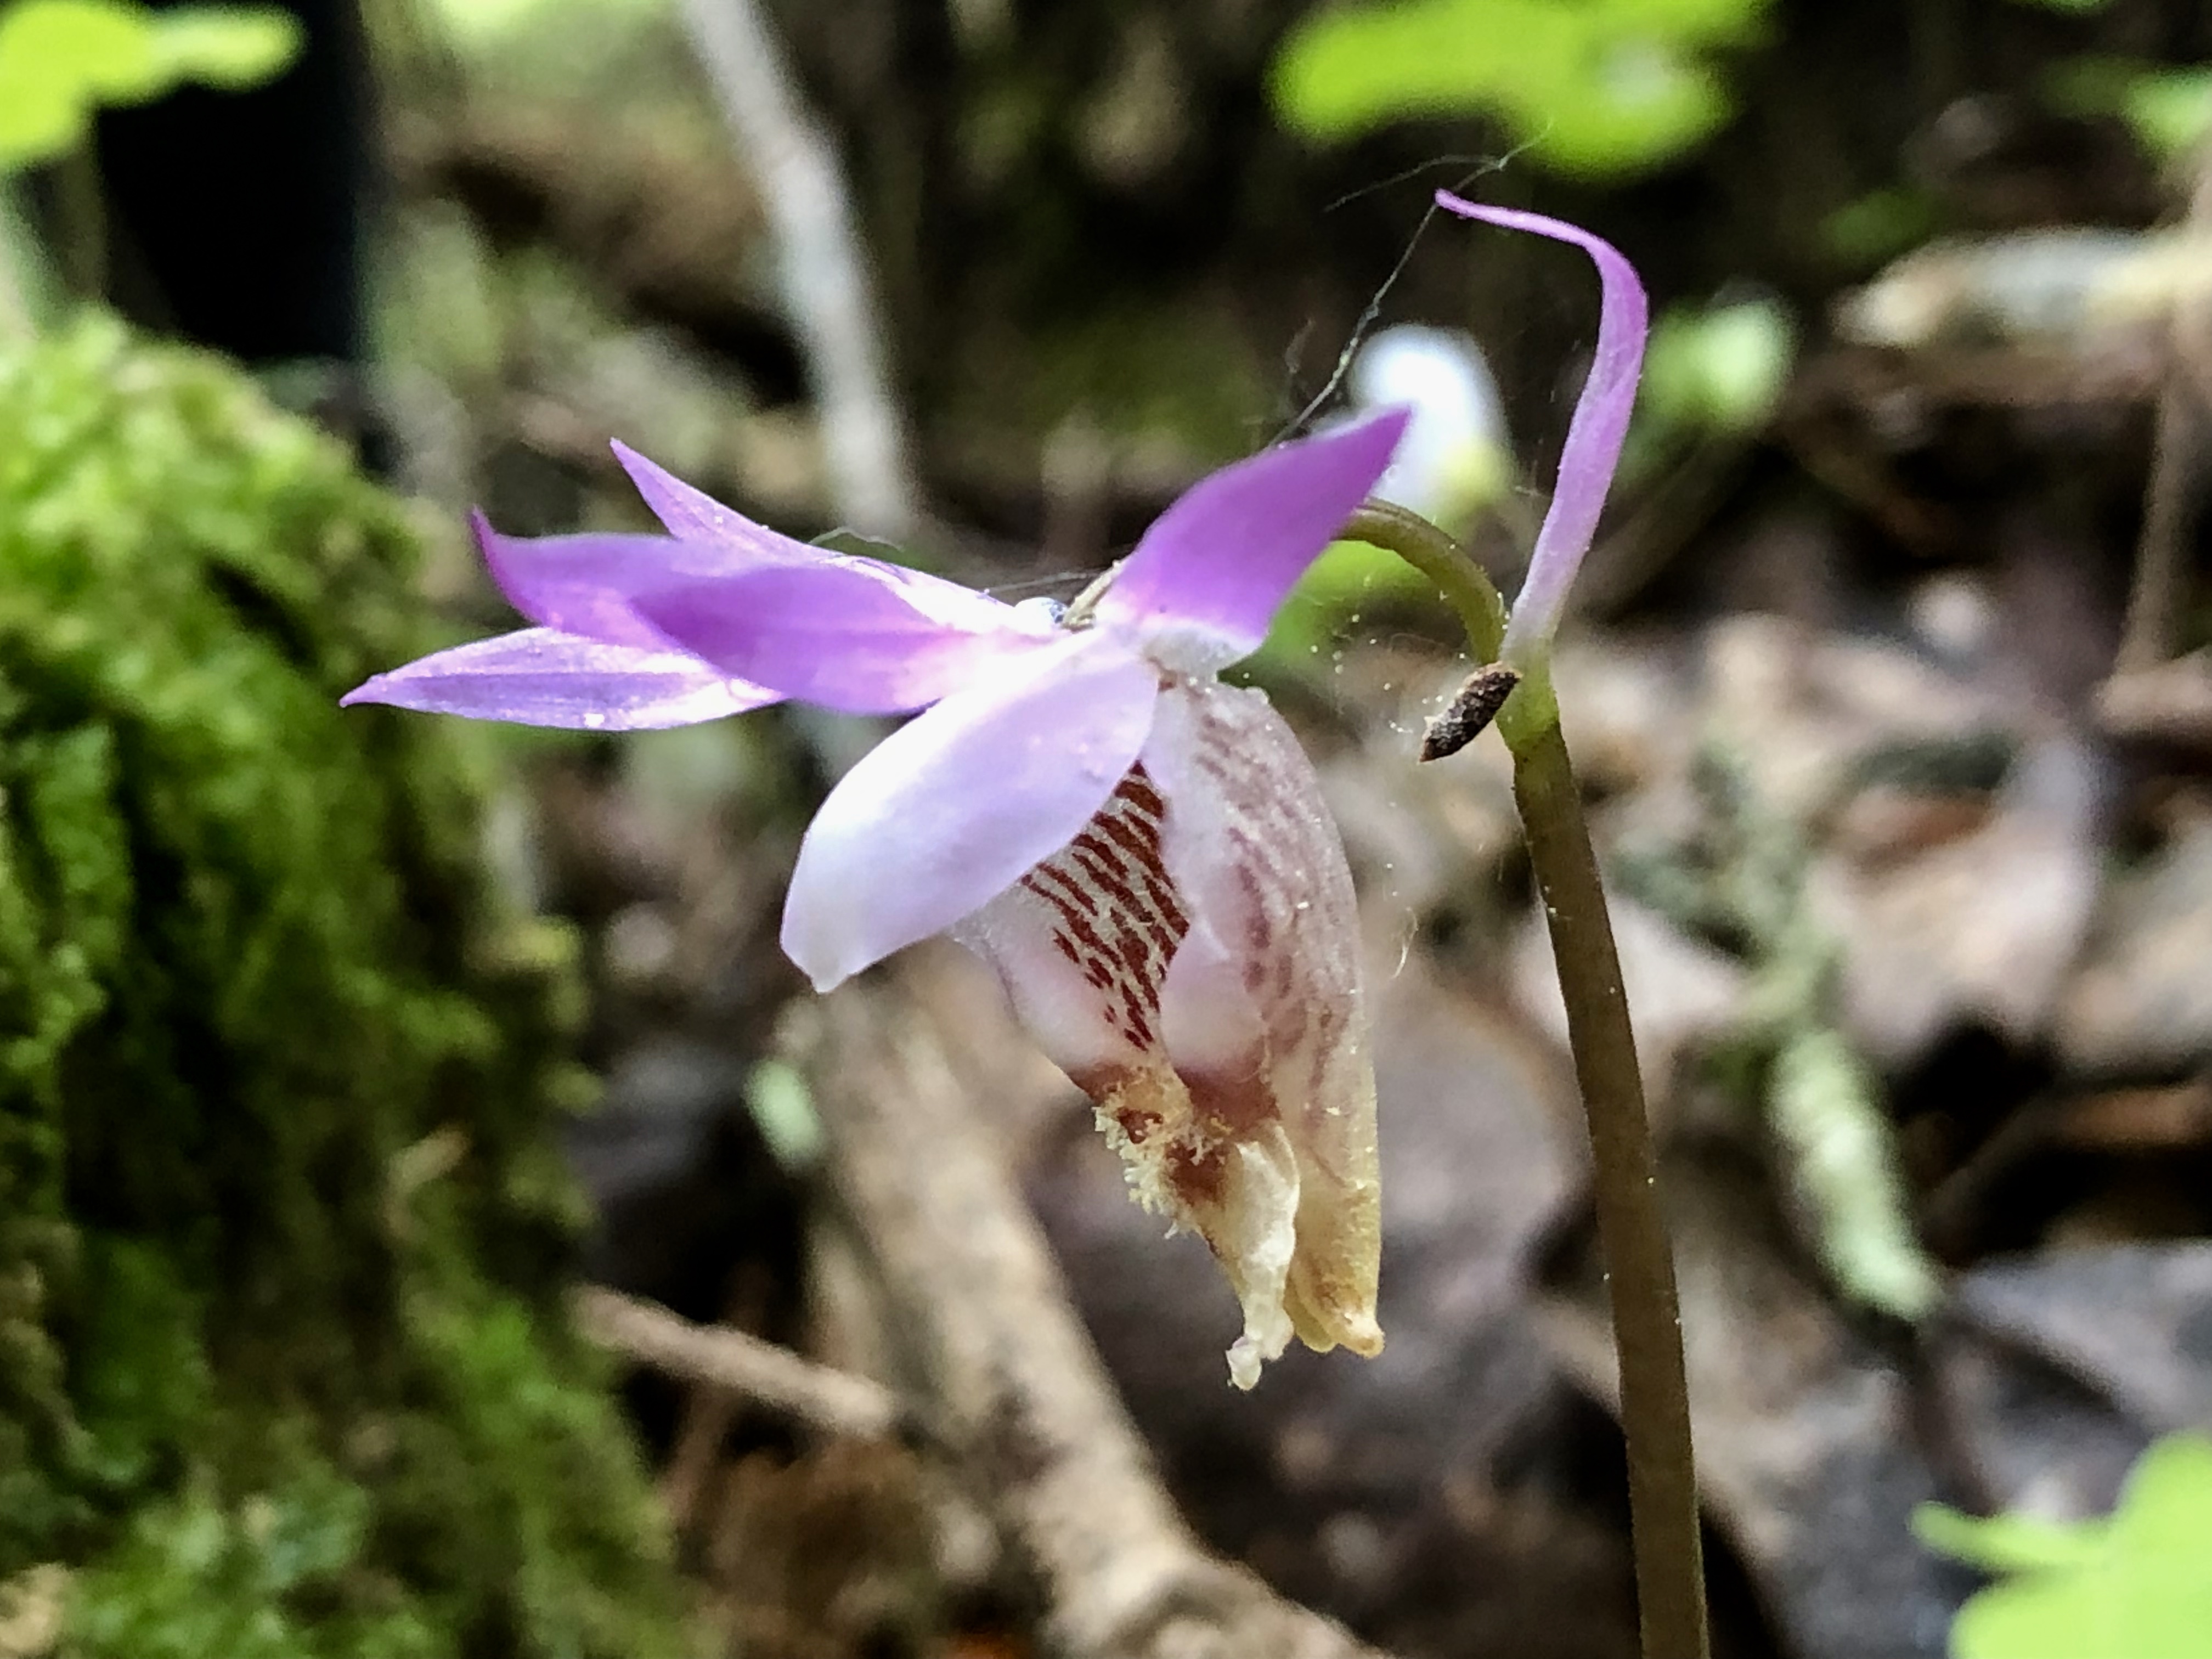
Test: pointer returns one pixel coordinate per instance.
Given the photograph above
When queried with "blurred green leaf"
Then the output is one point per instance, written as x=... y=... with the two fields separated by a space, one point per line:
x=2136 y=1586
x=2006 y=1543
x=61 y=60
x=2168 y=109
x=783 y=1107
x=103 y=47
x=1594 y=89
x=35 y=121
x=230 y=49
x=2171 y=110
x=1720 y=369
x=485 y=26
x=1870 y=230
x=1347 y=577
x=1825 y=1112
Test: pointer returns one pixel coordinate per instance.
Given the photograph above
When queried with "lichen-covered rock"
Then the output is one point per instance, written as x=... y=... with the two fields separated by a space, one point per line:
x=282 y=1368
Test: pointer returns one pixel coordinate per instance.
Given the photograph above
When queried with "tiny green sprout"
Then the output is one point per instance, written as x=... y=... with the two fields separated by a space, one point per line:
x=2170 y=110
x=1723 y=368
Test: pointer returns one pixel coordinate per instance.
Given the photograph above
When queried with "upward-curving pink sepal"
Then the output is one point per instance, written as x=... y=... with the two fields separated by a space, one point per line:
x=1594 y=433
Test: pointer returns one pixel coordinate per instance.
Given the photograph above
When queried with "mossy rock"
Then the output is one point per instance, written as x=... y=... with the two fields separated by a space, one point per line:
x=282 y=1365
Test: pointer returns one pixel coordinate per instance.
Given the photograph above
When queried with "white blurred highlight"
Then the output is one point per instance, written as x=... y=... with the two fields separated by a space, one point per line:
x=1452 y=458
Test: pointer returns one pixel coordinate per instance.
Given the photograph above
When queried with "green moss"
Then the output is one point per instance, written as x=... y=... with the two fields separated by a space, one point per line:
x=281 y=1226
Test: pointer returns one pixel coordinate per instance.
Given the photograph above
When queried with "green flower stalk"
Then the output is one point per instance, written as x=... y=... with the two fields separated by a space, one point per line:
x=1515 y=684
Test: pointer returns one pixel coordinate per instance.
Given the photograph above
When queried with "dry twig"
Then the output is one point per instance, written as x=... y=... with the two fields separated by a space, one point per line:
x=824 y=269
x=2179 y=464
x=835 y=1401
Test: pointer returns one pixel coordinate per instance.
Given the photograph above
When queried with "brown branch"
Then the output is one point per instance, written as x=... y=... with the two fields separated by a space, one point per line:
x=1017 y=1391
x=834 y=1402
x=2180 y=458
x=826 y=282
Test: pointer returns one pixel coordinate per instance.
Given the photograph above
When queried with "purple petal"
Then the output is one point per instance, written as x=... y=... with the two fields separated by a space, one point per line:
x=961 y=802
x=540 y=677
x=1208 y=575
x=691 y=514
x=1594 y=434
x=842 y=637
x=588 y=585
x=850 y=634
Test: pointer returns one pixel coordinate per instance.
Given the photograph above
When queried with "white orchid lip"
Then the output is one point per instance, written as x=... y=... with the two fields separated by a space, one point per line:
x=1192 y=960
x=1142 y=851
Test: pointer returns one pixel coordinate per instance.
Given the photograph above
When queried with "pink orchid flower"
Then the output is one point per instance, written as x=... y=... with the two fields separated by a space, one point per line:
x=1140 y=851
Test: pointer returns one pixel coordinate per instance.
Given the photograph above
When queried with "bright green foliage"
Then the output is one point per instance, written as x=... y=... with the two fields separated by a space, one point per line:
x=783 y=1108
x=61 y=60
x=282 y=1366
x=191 y=1577
x=2170 y=109
x=1720 y=369
x=2136 y=1585
x=494 y=25
x=1711 y=372
x=1870 y=230
x=1592 y=87
x=1348 y=579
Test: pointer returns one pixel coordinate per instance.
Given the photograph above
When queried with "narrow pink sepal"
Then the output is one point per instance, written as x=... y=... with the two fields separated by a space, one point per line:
x=1594 y=434
x=842 y=637
x=691 y=514
x=589 y=584
x=538 y=676
x=1206 y=580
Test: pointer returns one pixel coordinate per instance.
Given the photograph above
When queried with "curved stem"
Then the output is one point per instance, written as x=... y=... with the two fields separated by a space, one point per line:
x=1646 y=1332
x=1466 y=587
